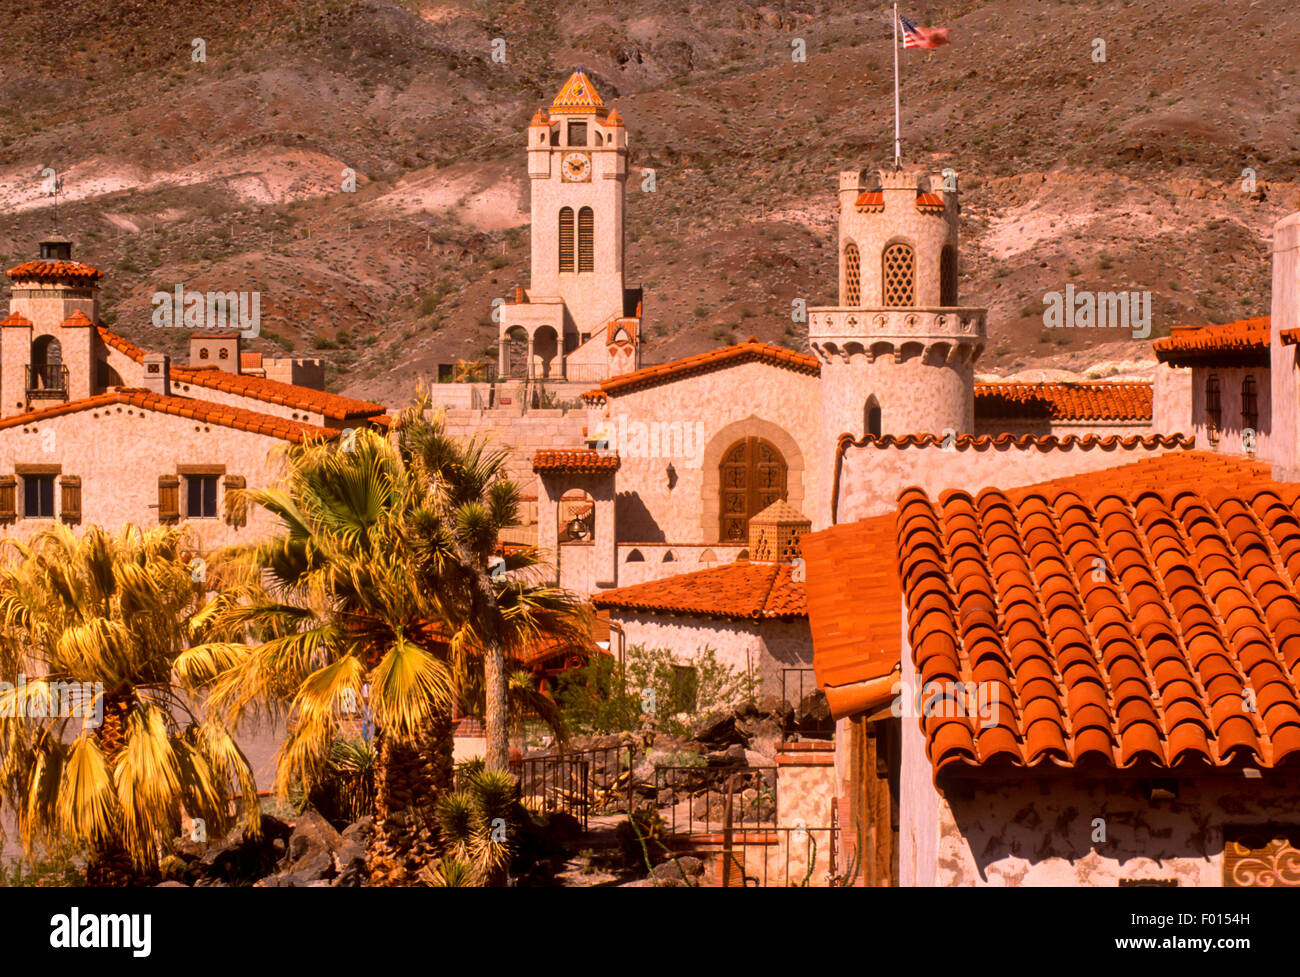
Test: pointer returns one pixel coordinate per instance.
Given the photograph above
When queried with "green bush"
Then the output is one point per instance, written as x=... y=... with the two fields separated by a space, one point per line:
x=653 y=684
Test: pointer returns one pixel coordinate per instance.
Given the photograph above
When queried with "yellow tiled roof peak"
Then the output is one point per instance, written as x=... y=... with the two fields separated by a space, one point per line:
x=578 y=96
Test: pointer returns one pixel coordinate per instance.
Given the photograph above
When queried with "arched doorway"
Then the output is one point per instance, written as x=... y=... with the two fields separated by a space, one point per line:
x=545 y=350
x=752 y=475
x=47 y=370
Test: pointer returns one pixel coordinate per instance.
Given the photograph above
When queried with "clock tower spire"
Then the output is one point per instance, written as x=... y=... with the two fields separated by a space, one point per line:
x=577 y=165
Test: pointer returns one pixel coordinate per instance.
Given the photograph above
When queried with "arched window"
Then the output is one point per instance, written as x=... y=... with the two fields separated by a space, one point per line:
x=752 y=475
x=1249 y=405
x=1213 y=410
x=566 y=239
x=577 y=517
x=852 y=276
x=586 y=227
x=871 y=418
x=948 y=276
x=899 y=276
x=47 y=371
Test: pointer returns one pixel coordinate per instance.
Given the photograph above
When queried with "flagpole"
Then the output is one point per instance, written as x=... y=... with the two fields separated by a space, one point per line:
x=898 y=142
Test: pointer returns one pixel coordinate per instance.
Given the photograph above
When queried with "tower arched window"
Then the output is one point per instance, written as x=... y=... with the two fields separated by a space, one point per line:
x=1213 y=410
x=586 y=230
x=871 y=418
x=852 y=276
x=1249 y=404
x=948 y=276
x=566 y=239
x=898 y=276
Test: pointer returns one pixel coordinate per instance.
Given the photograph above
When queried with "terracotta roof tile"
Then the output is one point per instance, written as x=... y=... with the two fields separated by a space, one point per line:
x=1246 y=338
x=1093 y=401
x=53 y=270
x=1290 y=337
x=78 y=319
x=854 y=593
x=736 y=590
x=1159 y=629
x=16 y=319
x=575 y=461
x=320 y=402
x=751 y=351
x=199 y=410
x=593 y=397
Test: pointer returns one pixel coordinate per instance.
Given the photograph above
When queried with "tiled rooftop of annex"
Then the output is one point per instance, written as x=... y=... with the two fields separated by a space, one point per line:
x=1131 y=617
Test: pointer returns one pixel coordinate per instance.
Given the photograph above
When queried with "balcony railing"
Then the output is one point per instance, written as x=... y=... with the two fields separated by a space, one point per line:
x=47 y=382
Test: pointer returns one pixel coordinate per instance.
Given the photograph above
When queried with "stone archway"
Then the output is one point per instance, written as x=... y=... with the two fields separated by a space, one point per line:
x=724 y=440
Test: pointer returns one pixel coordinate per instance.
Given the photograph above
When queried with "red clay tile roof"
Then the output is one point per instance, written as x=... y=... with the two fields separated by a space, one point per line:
x=870 y=200
x=929 y=202
x=200 y=410
x=1187 y=344
x=593 y=397
x=874 y=200
x=1046 y=441
x=53 y=271
x=575 y=461
x=1290 y=337
x=736 y=590
x=1092 y=401
x=328 y=405
x=854 y=594
x=751 y=351
x=78 y=319
x=1159 y=630
x=15 y=319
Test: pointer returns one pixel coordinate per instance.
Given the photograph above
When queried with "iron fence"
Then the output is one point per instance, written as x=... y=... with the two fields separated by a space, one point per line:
x=579 y=783
x=699 y=799
x=776 y=856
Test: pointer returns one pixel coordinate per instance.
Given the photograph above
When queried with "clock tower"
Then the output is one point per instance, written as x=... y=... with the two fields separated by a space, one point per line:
x=577 y=165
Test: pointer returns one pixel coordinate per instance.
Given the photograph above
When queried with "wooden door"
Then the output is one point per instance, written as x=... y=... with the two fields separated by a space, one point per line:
x=753 y=476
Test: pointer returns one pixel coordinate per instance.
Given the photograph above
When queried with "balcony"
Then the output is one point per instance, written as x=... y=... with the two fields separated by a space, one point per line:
x=867 y=325
x=49 y=382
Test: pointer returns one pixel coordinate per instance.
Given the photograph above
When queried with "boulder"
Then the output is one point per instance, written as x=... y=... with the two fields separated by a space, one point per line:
x=312 y=835
x=732 y=756
x=718 y=730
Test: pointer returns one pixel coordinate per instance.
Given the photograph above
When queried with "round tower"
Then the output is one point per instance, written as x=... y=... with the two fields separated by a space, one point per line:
x=898 y=351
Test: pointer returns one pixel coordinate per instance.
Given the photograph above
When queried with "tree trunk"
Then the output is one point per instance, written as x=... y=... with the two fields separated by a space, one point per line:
x=496 y=708
x=409 y=779
x=109 y=865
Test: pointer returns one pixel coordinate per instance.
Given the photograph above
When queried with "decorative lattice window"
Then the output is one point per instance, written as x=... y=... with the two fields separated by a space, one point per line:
x=899 y=276
x=566 y=239
x=1249 y=404
x=1213 y=410
x=586 y=228
x=852 y=276
x=948 y=276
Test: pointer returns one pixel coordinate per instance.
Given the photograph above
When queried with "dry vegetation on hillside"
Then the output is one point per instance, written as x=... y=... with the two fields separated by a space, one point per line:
x=228 y=173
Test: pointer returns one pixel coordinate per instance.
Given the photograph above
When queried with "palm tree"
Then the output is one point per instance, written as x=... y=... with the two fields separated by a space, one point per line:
x=493 y=605
x=99 y=622
x=327 y=616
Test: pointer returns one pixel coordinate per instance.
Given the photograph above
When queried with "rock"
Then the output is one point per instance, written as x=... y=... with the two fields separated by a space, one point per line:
x=363 y=831
x=732 y=756
x=814 y=707
x=240 y=858
x=171 y=884
x=718 y=730
x=349 y=863
x=312 y=835
x=756 y=759
x=684 y=870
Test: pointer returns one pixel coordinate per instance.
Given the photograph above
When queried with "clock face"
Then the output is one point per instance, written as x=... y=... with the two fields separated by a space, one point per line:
x=576 y=167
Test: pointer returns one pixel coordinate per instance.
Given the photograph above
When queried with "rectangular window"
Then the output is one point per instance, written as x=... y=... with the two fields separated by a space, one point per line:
x=38 y=496
x=201 y=496
x=577 y=133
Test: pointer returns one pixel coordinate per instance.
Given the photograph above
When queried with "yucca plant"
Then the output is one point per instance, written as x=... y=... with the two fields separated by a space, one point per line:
x=107 y=614
x=479 y=824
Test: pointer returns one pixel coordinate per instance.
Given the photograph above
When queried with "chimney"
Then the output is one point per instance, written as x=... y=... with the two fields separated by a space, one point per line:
x=158 y=373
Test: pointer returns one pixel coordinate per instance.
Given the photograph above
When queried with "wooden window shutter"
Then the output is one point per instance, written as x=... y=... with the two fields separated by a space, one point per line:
x=566 y=239
x=235 y=501
x=8 y=498
x=70 y=498
x=169 y=498
x=586 y=230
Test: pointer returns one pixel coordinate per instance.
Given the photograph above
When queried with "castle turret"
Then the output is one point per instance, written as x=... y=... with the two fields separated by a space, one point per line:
x=898 y=352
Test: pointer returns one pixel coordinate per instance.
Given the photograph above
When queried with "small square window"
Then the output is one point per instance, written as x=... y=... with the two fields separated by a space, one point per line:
x=201 y=496
x=38 y=496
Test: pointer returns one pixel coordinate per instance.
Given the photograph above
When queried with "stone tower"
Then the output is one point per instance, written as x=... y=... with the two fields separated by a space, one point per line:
x=48 y=341
x=898 y=351
x=577 y=164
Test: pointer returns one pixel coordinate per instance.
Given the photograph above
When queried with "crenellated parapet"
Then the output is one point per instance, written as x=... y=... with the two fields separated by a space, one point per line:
x=939 y=336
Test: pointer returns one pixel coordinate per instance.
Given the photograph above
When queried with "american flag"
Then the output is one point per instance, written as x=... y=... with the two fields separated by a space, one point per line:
x=924 y=37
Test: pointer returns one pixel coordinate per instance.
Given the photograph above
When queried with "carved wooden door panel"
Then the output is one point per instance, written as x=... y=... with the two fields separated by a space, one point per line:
x=1268 y=855
x=753 y=476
